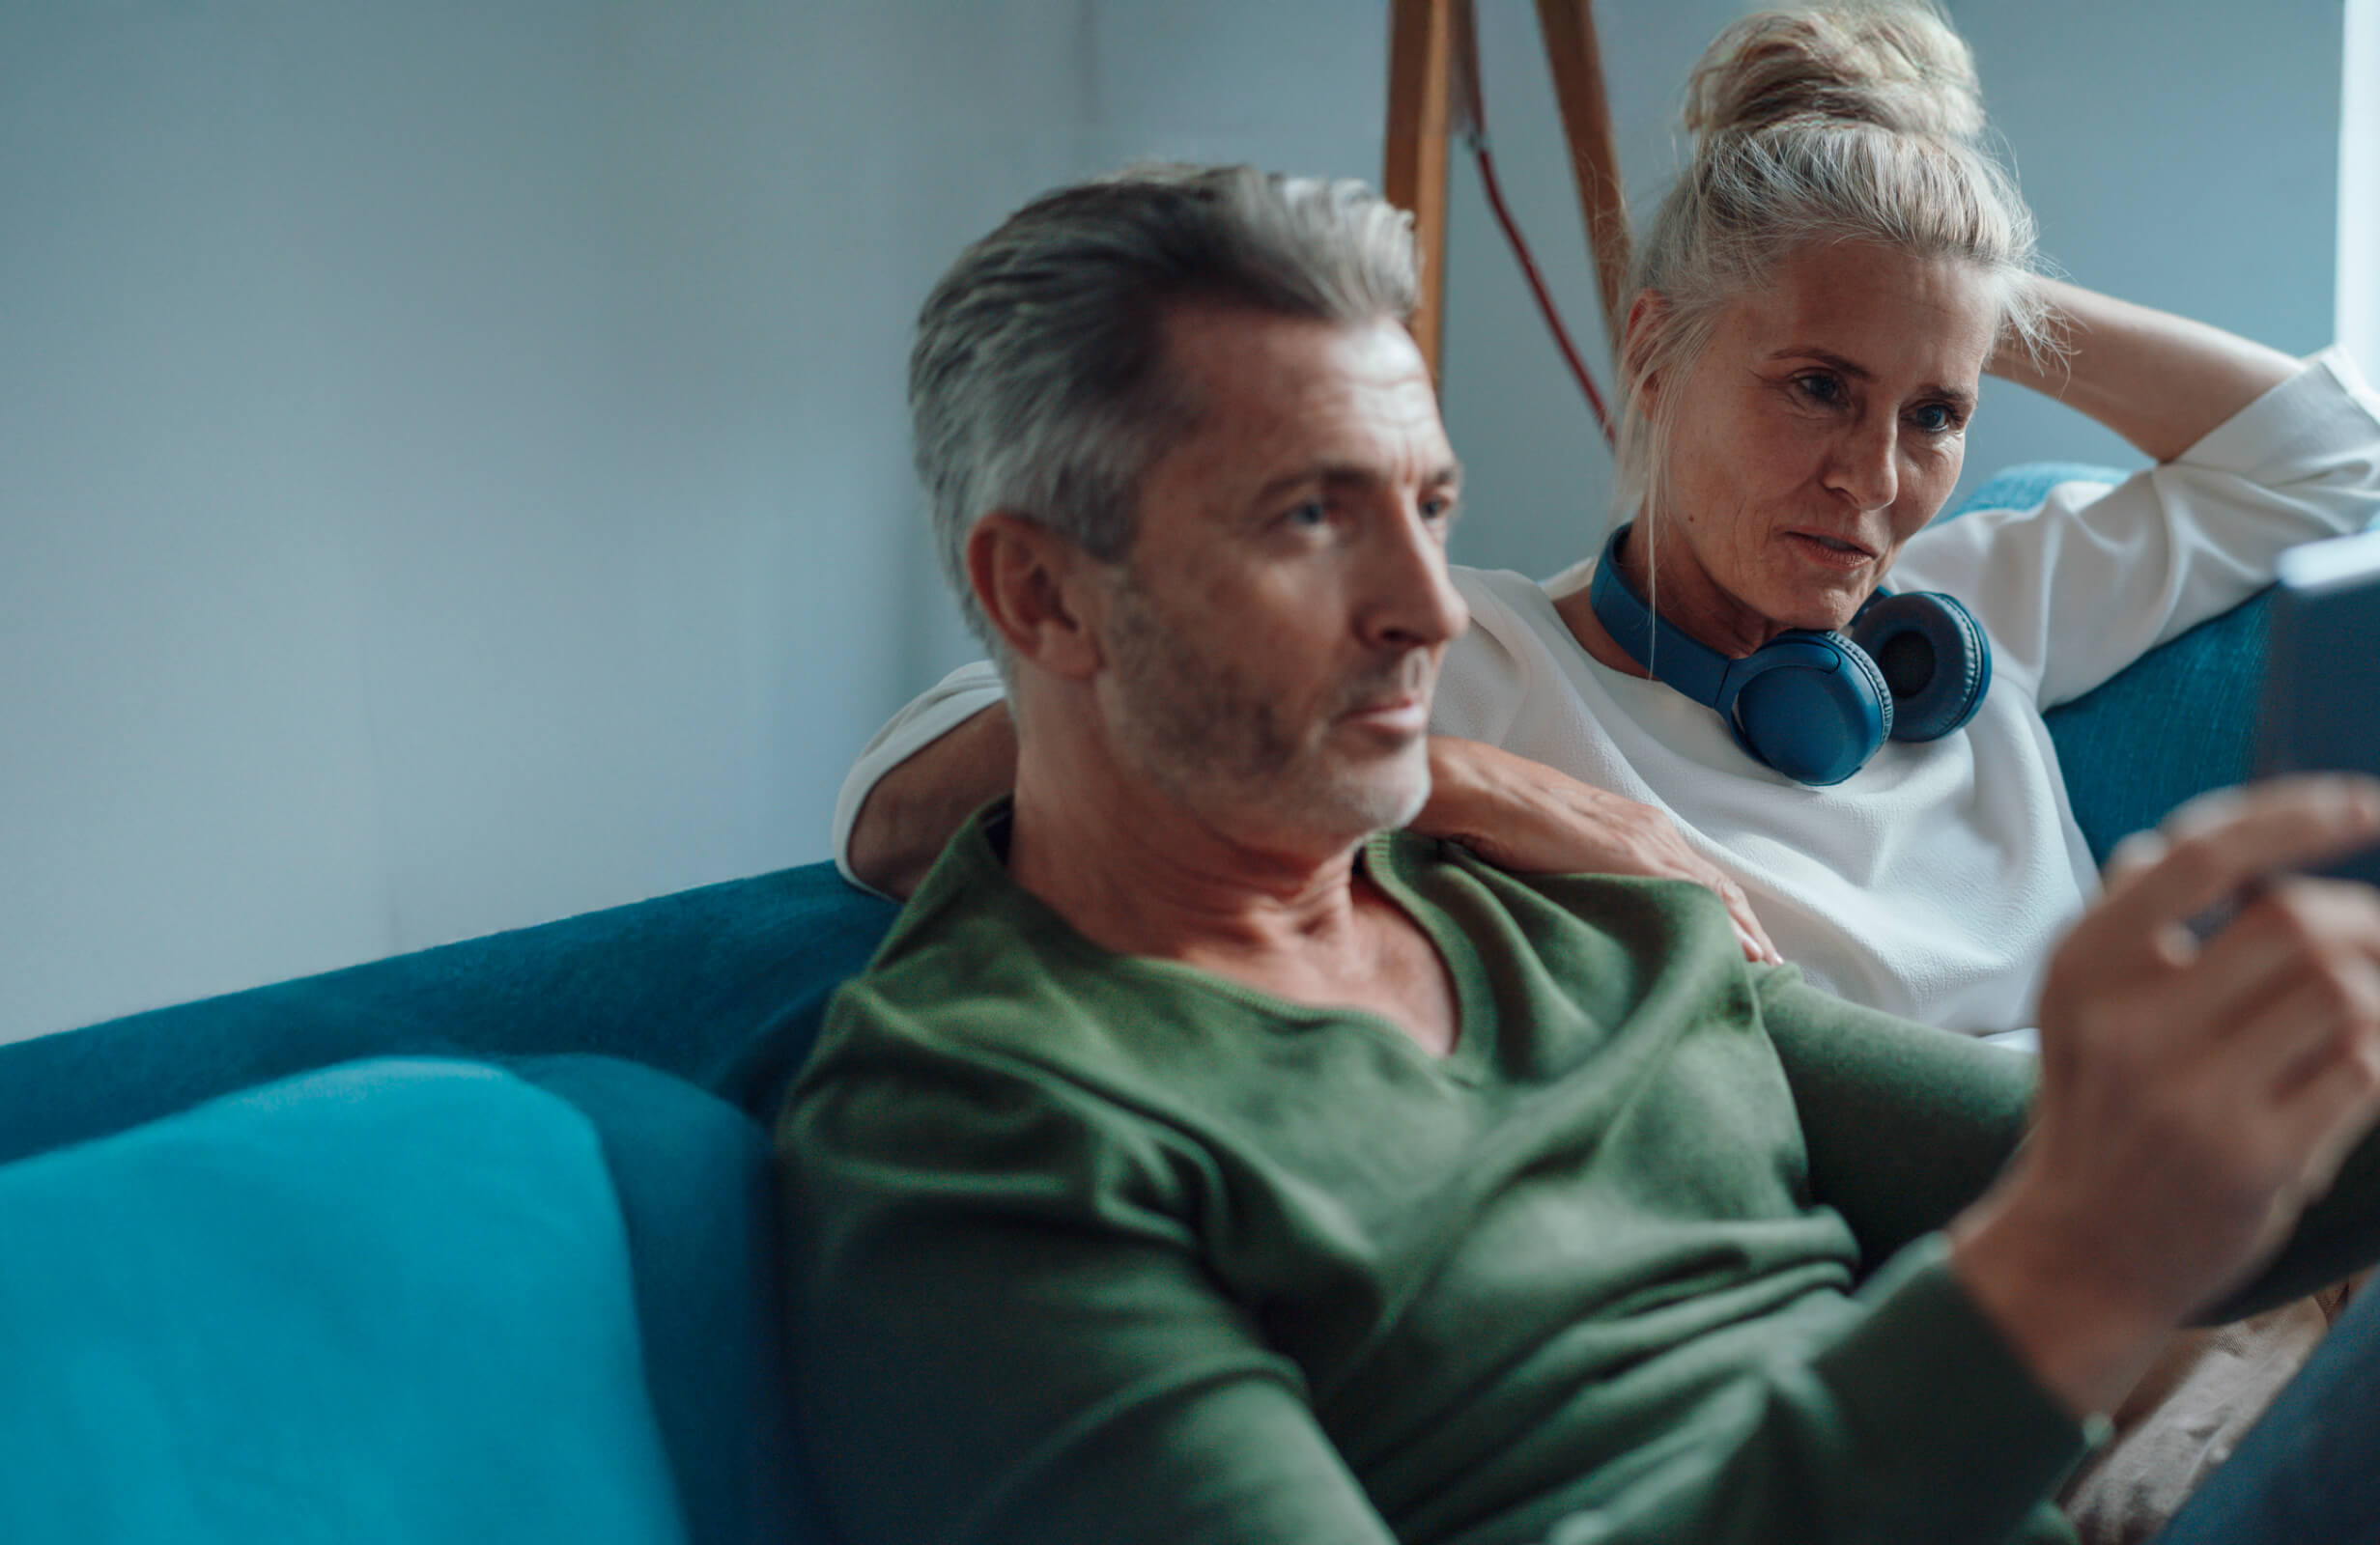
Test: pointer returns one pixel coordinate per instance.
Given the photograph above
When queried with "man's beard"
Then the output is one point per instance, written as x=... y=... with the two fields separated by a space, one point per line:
x=1217 y=744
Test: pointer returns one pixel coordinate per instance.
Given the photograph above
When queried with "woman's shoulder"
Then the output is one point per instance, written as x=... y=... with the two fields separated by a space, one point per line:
x=1506 y=654
x=1959 y=551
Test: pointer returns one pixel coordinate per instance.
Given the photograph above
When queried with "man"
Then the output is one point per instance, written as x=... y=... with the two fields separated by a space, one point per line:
x=1195 y=1164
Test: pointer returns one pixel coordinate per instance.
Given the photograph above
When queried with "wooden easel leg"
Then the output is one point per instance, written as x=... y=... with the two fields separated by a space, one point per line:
x=1420 y=68
x=1577 y=61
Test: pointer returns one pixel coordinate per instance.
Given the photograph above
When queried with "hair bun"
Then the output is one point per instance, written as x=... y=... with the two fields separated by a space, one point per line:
x=1893 y=63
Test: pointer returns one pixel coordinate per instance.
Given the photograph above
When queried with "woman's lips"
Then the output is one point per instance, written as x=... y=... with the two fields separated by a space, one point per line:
x=1829 y=551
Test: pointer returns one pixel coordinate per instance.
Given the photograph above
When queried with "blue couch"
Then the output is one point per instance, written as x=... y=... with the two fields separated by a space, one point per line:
x=476 y=1243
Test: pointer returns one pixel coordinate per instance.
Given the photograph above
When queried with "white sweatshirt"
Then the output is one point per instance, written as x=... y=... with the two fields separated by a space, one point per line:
x=1932 y=883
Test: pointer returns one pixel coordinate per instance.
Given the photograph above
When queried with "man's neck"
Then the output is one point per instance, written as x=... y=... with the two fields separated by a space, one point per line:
x=1143 y=876
x=1138 y=874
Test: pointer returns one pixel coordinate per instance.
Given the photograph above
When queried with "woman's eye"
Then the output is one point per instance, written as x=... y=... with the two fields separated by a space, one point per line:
x=1822 y=389
x=1309 y=514
x=1936 y=418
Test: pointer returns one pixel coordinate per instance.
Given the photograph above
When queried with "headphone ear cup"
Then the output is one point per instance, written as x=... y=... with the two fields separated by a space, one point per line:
x=1934 y=659
x=1817 y=726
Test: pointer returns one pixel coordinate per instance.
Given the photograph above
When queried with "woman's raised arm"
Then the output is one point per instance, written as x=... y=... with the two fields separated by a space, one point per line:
x=2160 y=380
x=909 y=813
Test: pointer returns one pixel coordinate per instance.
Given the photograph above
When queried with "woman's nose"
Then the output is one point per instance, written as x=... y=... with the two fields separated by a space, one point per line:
x=1866 y=466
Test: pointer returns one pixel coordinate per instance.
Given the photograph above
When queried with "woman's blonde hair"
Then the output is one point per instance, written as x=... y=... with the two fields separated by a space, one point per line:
x=1859 y=121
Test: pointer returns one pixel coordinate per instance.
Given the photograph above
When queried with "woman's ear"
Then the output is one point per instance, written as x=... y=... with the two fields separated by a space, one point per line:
x=1641 y=341
x=1031 y=582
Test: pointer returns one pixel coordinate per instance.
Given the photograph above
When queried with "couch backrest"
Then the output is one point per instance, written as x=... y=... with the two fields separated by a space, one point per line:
x=2178 y=721
x=721 y=986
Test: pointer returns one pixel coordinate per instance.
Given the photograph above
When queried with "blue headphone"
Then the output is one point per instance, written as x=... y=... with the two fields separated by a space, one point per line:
x=1813 y=705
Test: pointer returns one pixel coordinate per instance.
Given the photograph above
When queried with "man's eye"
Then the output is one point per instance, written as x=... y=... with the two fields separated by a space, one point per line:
x=1309 y=514
x=1441 y=508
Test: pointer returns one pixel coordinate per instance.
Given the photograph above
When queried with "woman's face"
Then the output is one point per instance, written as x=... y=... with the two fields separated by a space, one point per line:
x=1822 y=428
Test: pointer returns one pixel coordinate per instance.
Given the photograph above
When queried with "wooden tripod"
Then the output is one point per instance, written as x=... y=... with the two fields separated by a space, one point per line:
x=1434 y=94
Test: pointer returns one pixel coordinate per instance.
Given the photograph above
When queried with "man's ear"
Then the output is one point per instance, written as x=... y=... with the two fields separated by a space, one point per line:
x=1031 y=583
x=1640 y=338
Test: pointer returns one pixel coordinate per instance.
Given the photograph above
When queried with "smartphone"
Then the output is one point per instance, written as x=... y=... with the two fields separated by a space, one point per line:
x=2320 y=710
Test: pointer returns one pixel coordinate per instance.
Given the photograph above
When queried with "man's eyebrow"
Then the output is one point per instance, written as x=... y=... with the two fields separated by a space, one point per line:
x=1349 y=474
x=1858 y=372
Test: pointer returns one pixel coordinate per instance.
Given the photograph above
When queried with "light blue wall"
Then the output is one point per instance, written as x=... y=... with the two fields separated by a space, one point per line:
x=453 y=468
x=452 y=463
x=2358 y=185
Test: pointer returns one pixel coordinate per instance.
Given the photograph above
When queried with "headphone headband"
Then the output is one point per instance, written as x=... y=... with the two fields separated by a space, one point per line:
x=1812 y=704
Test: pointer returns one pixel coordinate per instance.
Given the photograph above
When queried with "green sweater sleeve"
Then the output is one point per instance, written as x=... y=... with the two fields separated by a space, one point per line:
x=1005 y=1333
x=1906 y=1126
x=1915 y=1424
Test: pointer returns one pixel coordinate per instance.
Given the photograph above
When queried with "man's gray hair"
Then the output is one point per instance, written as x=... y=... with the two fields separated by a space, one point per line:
x=1039 y=385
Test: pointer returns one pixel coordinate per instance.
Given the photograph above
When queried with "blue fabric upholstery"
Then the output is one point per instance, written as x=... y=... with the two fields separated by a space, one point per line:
x=697 y=1190
x=723 y=986
x=2180 y=720
x=384 y=1303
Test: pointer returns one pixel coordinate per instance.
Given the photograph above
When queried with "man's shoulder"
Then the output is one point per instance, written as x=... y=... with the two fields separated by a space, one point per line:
x=1598 y=936
x=979 y=985
x=971 y=959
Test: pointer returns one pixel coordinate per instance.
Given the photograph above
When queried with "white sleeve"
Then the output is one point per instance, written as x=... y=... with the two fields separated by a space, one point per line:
x=943 y=708
x=2076 y=590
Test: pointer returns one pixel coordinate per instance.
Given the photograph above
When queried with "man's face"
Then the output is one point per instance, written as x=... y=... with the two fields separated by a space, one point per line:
x=1273 y=638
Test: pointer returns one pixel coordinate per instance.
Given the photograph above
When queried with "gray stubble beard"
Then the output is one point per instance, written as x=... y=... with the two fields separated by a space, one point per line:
x=1216 y=745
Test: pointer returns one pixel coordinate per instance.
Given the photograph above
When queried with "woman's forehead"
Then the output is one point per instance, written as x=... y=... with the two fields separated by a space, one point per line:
x=1885 y=309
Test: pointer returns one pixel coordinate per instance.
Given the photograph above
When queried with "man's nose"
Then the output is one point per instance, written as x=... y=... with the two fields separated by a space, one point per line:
x=1411 y=599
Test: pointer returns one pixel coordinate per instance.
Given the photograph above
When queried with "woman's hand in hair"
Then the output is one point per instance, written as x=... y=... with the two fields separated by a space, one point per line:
x=1523 y=816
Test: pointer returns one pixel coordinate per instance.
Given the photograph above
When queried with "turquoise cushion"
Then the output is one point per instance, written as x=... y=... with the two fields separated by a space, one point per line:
x=391 y=1301
x=698 y=1190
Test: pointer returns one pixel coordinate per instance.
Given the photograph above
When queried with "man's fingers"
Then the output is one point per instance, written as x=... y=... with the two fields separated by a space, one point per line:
x=2331 y=1105
x=2308 y=1022
x=2340 y=1101
x=2314 y=944
x=2210 y=848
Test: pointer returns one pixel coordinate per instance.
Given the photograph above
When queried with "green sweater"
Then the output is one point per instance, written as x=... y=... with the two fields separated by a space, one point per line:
x=1094 y=1248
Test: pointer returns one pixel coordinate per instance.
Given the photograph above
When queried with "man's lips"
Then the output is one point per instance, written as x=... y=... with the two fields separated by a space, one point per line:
x=1407 y=711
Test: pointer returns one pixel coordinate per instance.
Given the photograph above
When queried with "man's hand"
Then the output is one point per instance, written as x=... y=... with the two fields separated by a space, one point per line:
x=1523 y=816
x=2194 y=1097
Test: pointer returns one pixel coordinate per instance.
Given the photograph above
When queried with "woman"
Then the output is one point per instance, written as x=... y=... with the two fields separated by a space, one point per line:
x=1815 y=302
